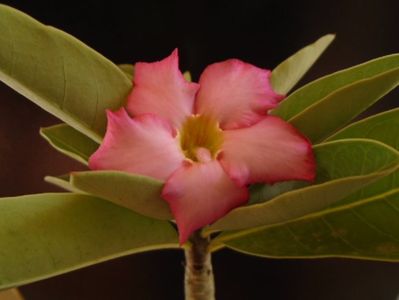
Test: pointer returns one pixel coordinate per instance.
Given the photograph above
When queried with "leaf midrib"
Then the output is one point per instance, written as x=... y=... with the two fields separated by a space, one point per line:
x=241 y=233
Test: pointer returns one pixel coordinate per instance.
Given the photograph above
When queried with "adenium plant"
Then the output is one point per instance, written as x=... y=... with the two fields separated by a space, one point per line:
x=228 y=160
x=207 y=141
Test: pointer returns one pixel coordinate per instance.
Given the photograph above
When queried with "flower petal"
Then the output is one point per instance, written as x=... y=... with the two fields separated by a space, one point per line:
x=269 y=151
x=160 y=88
x=235 y=93
x=143 y=145
x=199 y=194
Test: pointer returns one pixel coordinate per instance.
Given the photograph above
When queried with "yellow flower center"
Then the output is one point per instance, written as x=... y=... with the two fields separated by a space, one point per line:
x=200 y=133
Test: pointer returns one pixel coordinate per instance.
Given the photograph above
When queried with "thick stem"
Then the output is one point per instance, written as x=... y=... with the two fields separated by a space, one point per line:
x=199 y=282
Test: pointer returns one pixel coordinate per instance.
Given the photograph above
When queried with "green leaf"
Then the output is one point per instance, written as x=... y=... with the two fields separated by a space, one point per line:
x=138 y=193
x=59 y=73
x=382 y=127
x=368 y=229
x=287 y=74
x=187 y=76
x=70 y=142
x=308 y=236
x=63 y=183
x=340 y=107
x=128 y=70
x=343 y=167
x=262 y=192
x=48 y=234
x=317 y=90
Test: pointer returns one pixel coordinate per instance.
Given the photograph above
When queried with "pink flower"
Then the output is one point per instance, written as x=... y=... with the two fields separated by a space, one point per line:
x=207 y=141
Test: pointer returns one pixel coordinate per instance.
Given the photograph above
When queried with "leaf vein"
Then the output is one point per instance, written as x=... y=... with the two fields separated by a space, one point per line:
x=297 y=239
x=373 y=226
x=335 y=233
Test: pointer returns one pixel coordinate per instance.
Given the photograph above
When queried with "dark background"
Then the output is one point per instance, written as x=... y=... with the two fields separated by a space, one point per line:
x=261 y=32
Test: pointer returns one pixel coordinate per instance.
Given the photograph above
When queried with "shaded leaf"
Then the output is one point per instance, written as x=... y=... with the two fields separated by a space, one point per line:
x=70 y=142
x=59 y=73
x=317 y=90
x=63 y=183
x=128 y=70
x=338 y=108
x=50 y=234
x=367 y=229
x=139 y=193
x=263 y=192
x=343 y=167
x=287 y=74
x=382 y=127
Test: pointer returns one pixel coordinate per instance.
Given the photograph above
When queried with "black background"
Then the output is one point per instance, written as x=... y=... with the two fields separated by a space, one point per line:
x=260 y=32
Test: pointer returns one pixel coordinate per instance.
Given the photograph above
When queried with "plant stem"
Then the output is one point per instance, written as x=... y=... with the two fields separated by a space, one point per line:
x=198 y=279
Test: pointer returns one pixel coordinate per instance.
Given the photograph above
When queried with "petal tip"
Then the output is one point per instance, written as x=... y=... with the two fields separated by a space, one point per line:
x=160 y=88
x=270 y=151
x=237 y=93
x=199 y=194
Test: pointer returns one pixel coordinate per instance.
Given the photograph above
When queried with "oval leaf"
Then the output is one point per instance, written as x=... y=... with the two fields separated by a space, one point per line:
x=367 y=229
x=138 y=193
x=383 y=128
x=59 y=73
x=287 y=74
x=50 y=234
x=316 y=90
x=343 y=168
x=341 y=106
x=70 y=142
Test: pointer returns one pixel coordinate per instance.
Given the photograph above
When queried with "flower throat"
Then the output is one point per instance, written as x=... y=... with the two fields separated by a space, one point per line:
x=200 y=132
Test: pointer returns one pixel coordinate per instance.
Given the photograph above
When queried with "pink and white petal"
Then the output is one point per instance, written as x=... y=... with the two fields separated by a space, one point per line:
x=145 y=145
x=269 y=151
x=237 y=94
x=199 y=194
x=160 y=88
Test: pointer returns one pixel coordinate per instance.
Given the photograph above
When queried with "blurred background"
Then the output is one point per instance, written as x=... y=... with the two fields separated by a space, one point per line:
x=261 y=32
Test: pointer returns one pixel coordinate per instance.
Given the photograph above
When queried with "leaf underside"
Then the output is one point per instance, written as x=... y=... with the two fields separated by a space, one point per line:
x=50 y=234
x=59 y=73
x=363 y=225
x=365 y=230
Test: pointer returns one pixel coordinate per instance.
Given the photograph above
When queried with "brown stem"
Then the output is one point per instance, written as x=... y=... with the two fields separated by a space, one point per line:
x=199 y=282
